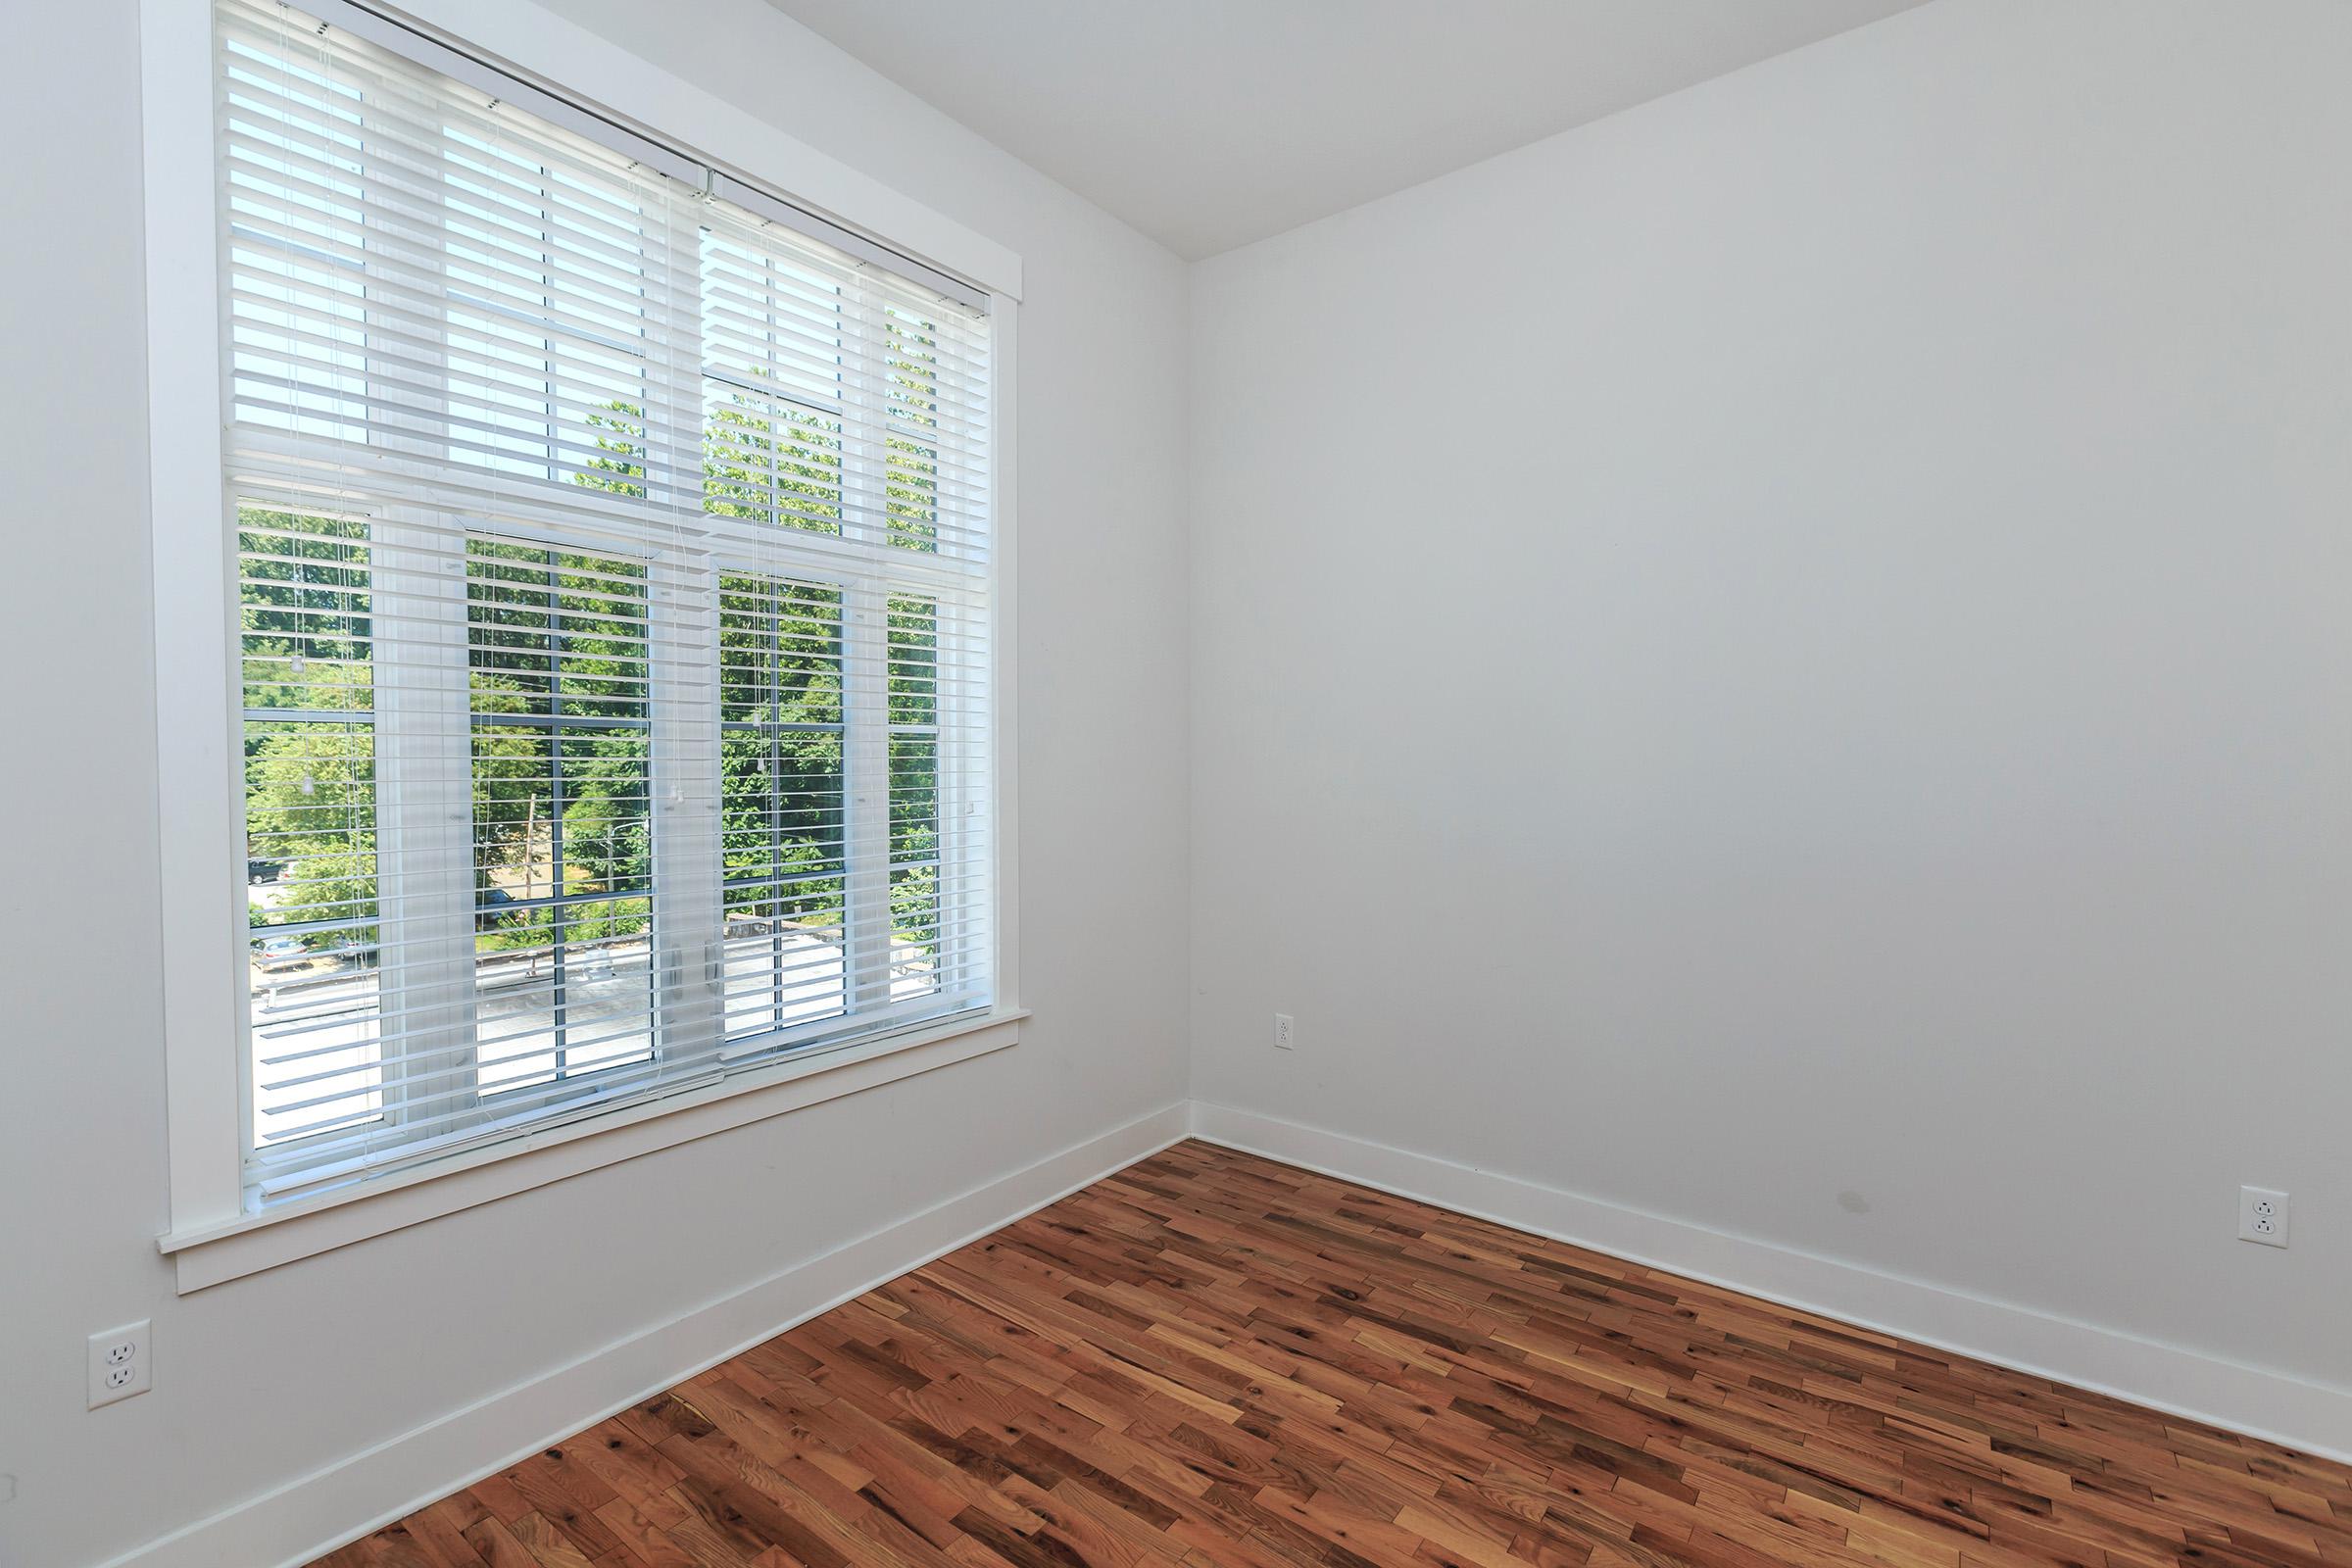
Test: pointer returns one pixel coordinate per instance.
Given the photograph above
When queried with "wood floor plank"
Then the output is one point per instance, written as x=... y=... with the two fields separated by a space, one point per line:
x=1212 y=1360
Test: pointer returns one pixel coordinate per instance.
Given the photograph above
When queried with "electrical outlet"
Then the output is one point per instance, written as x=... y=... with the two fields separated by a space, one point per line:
x=119 y=1365
x=1283 y=1030
x=2262 y=1216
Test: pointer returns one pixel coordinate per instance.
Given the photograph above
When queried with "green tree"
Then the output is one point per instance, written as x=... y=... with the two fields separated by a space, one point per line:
x=308 y=653
x=561 y=797
x=561 y=636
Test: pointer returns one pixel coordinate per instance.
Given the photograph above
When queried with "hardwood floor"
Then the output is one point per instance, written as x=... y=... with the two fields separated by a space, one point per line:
x=1213 y=1360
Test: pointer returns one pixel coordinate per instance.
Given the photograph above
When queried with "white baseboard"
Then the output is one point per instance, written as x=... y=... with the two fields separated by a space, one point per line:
x=365 y=1491
x=2314 y=1418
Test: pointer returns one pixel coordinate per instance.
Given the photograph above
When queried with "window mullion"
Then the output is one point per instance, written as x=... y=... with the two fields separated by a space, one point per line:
x=424 y=835
x=958 y=750
x=865 y=766
x=425 y=813
x=865 y=668
x=683 y=653
x=687 y=891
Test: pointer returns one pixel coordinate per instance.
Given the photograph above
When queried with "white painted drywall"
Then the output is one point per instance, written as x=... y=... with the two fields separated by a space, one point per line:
x=1784 y=646
x=264 y=1380
x=1784 y=660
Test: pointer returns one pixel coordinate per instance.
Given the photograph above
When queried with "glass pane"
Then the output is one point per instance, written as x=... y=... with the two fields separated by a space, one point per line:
x=912 y=481
x=914 y=901
x=781 y=799
x=913 y=661
x=765 y=459
x=304 y=603
x=555 y=633
x=563 y=832
x=546 y=375
x=297 y=304
x=563 y=990
x=306 y=654
x=914 y=893
x=772 y=352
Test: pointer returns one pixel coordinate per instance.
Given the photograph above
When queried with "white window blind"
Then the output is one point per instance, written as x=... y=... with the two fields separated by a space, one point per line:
x=614 y=598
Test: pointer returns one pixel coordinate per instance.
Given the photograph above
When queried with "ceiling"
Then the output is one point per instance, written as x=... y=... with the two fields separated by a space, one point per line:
x=1209 y=124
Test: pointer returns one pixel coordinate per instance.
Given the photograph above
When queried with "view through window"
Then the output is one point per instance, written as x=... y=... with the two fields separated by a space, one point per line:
x=614 y=603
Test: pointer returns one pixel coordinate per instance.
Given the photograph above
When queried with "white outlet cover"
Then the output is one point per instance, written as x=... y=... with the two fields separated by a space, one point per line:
x=1285 y=1032
x=116 y=1353
x=2262 y=1216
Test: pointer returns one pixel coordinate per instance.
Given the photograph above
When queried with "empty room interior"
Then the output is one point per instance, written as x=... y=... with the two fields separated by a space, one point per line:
x=1177 y=784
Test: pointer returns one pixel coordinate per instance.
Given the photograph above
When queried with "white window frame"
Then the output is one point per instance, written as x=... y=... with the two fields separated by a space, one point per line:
x=200 y=816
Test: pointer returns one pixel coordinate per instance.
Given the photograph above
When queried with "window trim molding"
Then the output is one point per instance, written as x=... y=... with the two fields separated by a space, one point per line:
x=207 y=1254
x=200 y=820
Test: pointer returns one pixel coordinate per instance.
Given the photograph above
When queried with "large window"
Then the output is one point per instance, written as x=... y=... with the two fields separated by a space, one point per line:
x=613 y=601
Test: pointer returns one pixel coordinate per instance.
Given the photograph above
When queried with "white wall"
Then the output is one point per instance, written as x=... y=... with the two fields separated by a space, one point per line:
x=1781 y=660
x=1782 y=648
x=264 y=1380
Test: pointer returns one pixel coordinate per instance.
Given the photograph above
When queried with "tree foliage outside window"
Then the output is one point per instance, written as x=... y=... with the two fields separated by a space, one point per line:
x=307 y=627
x=306 y=645
x=561 y=746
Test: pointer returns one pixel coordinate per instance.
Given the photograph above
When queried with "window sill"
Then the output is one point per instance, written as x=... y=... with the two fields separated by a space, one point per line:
x=247 y=1243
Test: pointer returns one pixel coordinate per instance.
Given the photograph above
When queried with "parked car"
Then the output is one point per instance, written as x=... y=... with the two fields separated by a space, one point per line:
x=277 y=953
x=492 y=909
